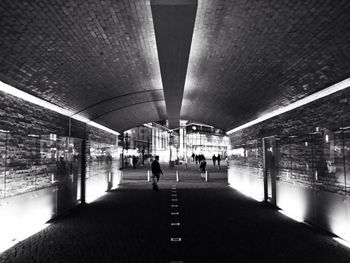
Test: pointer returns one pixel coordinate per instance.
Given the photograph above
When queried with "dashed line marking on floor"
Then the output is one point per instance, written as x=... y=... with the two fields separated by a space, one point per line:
x=174 y=213
x=174 y=195
x=176 y=261
x=175 y=224
x=175 y=239
x=174 y=200
x=174 y=206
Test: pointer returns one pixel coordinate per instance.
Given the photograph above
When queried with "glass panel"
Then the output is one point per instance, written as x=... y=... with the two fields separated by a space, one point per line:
x=346 y=135
x=335 y=163
x=3 y=155
x=49 y=156
x=285 y=159
x=22 y=159
x=328 y=161
x=301 y=160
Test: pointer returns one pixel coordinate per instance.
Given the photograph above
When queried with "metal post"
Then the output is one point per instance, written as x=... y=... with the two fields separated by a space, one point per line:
x=206 y=176
x=83 y=171
x=177 y=176
x=148 y=176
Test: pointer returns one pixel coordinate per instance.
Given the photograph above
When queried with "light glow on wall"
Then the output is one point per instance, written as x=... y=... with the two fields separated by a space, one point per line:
x=318 y=95
x=7 y=244
x=17 y=223
x=247 y=191
x=40 y=102
x=339 y=223
x=293 y=201
x=293 y=215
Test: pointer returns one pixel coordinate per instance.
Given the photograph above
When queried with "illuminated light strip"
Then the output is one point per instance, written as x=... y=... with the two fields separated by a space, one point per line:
x=246 y=193
x=40 y=102
x=7 y=245
x=342 y=241
x=292 y=216
x=318 y=95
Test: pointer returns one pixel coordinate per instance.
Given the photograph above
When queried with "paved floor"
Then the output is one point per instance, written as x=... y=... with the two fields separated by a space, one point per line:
x=216 y=224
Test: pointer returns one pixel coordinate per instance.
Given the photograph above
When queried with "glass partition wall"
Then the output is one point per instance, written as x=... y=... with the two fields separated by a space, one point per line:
x=311 y=171
x=35 y=162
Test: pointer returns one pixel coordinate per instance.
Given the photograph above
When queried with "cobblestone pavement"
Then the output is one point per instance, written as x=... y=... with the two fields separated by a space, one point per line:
x=215 y=223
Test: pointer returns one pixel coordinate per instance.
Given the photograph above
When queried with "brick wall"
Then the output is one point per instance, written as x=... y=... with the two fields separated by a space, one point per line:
x=28 y=153
x=304 y=154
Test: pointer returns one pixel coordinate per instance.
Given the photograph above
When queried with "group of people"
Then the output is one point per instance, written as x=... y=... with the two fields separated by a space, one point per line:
x=216 y=159
x=197 y=158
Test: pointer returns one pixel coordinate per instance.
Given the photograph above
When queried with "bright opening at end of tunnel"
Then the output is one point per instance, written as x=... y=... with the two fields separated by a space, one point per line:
x=40 y=102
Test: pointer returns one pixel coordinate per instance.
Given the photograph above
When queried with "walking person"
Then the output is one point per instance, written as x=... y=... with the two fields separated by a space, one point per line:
x=156 y=171
x=202 y=167
x=214 y=159
x=218 y=159
x=134 y=161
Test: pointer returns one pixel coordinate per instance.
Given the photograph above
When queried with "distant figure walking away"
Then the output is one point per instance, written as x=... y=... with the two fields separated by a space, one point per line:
x=134 y=161
x=193 y=155
x=218 y=159
x=202 y=166
x=214 y=159
x=156 y=171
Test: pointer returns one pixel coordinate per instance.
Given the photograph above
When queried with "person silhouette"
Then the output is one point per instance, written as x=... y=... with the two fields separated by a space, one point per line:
x=156 y=171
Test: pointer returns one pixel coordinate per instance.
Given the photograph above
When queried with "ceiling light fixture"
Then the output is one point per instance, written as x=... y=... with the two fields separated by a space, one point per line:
x=40 y=102
x=315 y=96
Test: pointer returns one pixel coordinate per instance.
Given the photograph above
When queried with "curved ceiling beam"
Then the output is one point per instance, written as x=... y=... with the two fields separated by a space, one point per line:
x=116 y=97
x=120 y=108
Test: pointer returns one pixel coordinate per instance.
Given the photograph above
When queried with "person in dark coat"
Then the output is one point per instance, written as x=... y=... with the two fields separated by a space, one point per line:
x=214 y=159
x=218 y=159
x=134 y=161
x=156 y=171
x=202 y=166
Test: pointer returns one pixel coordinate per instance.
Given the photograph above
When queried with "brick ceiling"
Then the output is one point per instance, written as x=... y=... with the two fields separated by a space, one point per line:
x=100 y=58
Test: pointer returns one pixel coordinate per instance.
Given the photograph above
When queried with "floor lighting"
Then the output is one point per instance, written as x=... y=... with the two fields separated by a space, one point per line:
x=292 y=216
x=342 y=241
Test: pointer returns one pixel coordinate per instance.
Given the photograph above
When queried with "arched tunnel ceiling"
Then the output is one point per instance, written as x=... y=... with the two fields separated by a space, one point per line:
x=91 y=57
x=251 y=57
x=100 y=58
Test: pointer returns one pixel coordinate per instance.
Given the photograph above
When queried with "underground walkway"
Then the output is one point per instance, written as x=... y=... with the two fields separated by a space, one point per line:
x=214 y=222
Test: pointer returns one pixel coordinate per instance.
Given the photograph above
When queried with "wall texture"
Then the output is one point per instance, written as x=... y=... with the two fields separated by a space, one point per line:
x=312 y=159
x=41 y=164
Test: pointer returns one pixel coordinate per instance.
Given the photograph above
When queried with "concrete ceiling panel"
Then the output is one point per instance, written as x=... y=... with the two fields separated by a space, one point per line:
x=173 y=24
